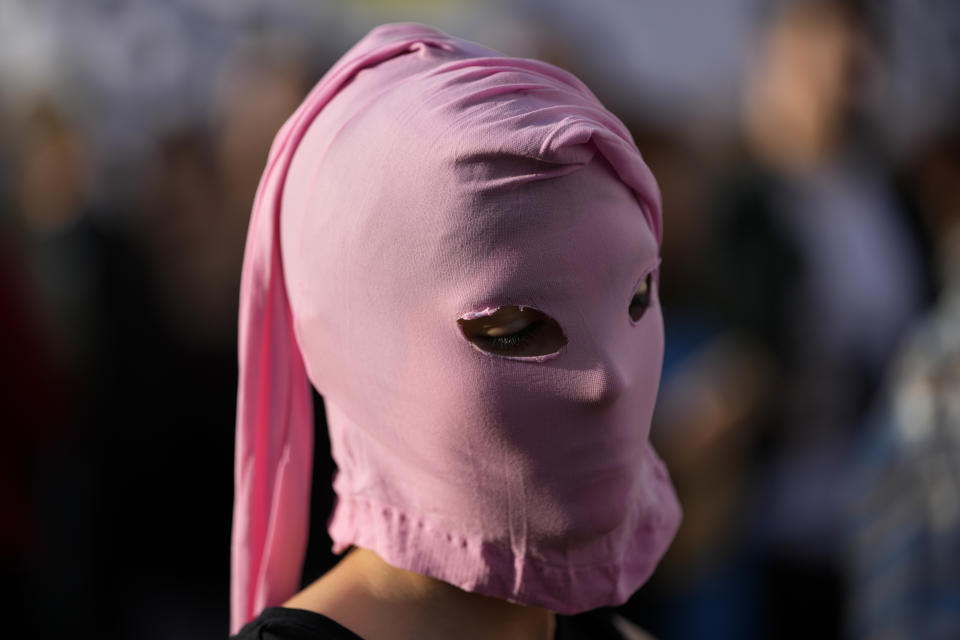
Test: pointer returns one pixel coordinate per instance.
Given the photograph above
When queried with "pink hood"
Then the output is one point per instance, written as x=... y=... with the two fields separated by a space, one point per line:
x=425 y=179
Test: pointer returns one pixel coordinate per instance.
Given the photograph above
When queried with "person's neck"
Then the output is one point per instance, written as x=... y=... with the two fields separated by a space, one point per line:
x=379 y=602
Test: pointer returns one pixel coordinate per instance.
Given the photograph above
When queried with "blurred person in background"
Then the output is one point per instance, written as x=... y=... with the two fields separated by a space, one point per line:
x=58 y=229
x=812 y=271
x=190 y=221
x=92 y=359
x=818 y=206
x=902 y=535
x=51 y=265
x=818 y=228
x=103 y=307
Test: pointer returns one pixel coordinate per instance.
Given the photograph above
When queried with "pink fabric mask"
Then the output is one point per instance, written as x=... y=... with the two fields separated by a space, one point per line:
x=423 y=180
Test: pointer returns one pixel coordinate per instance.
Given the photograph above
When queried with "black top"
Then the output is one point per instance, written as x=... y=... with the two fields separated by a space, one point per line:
x=281 y=623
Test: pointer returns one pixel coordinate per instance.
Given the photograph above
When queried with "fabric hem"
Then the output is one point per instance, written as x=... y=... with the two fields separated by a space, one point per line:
x=417 y=545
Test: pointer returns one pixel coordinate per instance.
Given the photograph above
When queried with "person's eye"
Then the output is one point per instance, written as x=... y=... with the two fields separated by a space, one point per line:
x=641 y=298
x=514 y=331
x=505 y=339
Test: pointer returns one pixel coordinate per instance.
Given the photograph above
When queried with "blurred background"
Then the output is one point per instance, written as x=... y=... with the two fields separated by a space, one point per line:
x=809 y=157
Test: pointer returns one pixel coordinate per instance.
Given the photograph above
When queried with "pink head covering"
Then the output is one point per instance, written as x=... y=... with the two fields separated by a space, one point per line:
x=426 y=179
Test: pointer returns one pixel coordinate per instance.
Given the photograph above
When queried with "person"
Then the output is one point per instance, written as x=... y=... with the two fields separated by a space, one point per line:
x=460 y=251
x=901 y=527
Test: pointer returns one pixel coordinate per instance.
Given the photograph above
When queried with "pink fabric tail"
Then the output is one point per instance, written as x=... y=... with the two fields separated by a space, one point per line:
x=274 y=438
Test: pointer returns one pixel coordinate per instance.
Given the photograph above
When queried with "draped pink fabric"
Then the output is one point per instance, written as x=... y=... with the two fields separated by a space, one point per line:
x=424 y=178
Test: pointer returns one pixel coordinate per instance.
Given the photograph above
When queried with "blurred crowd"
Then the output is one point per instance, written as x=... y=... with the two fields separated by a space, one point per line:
x=809 y=157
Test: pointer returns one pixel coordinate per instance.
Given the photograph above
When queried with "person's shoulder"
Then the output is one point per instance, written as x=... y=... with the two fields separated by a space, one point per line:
x=285 y=623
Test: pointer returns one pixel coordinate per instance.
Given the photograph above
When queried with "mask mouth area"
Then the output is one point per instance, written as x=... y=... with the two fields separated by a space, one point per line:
x=513 y=331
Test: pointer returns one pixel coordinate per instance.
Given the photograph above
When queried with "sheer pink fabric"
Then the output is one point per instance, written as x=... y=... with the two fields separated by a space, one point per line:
x=425 y=178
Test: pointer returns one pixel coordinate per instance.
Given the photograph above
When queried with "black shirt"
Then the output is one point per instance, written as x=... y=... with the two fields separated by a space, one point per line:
x=281 y=623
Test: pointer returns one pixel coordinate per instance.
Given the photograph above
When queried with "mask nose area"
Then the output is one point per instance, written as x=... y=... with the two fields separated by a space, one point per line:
x=606 y=382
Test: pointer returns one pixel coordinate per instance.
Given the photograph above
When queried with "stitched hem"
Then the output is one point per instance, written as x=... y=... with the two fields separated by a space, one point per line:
x=478 y=566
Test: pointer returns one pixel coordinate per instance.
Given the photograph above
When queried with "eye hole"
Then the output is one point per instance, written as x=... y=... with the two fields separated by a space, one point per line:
x=514 y=331
x=641 y=298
